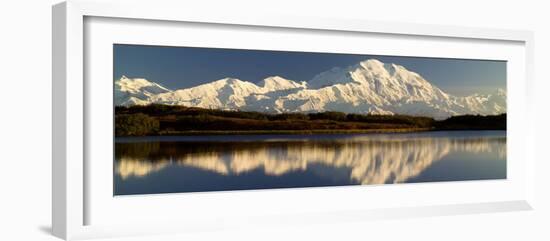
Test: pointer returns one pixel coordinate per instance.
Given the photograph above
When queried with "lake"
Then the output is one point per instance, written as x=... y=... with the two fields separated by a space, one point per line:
x=171 y=164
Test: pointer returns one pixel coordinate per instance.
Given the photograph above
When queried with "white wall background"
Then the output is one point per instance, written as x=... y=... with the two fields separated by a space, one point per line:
x=25 y=119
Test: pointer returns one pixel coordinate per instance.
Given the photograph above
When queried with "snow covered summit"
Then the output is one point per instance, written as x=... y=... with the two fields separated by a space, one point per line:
x=369 y=86
x=136 y=91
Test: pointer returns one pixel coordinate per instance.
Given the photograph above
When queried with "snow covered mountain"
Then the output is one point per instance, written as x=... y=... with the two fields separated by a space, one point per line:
x=366 y=87
x=275 y=83
x=228 y=93
x=136 y=91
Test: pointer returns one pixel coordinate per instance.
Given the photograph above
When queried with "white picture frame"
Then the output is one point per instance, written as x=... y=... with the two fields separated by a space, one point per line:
x=73 y=192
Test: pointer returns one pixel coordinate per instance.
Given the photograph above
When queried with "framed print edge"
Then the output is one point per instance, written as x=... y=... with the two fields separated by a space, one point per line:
x=59 y=190
x=69 y=186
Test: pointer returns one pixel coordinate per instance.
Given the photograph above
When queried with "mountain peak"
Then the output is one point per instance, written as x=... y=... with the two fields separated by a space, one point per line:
x=378 y=67
x=369 y=72
x=276 y=78
x=274 y=83
x=233 y=84
x=136 y=82
x=369 y=86
x=225 y=81
x=136 y=91
x=381 y=68
x=370 y=63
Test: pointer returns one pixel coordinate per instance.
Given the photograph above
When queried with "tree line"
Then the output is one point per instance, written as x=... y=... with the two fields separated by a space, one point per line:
x=156 y=119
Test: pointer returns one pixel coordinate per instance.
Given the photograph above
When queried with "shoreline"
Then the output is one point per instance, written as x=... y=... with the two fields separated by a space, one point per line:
x=303 y=132
x=259 y=137
x=286 y=132
x=290 y=132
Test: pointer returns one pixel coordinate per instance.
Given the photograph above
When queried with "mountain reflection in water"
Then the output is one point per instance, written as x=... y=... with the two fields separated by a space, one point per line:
x=368 y=159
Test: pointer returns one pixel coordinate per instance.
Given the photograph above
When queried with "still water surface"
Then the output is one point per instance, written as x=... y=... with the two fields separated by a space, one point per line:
x=147 y=165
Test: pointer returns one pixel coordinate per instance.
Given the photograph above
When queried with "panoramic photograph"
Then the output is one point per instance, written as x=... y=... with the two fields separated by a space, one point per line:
x=190 y=119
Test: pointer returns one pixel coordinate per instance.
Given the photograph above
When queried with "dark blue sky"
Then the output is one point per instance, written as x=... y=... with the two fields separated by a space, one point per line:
x=183 y=67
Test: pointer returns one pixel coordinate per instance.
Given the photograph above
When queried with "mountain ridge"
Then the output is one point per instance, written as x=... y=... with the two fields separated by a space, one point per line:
x=368 y=87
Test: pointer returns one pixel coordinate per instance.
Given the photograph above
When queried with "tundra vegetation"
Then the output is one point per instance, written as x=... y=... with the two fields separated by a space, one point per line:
x=156 y=119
